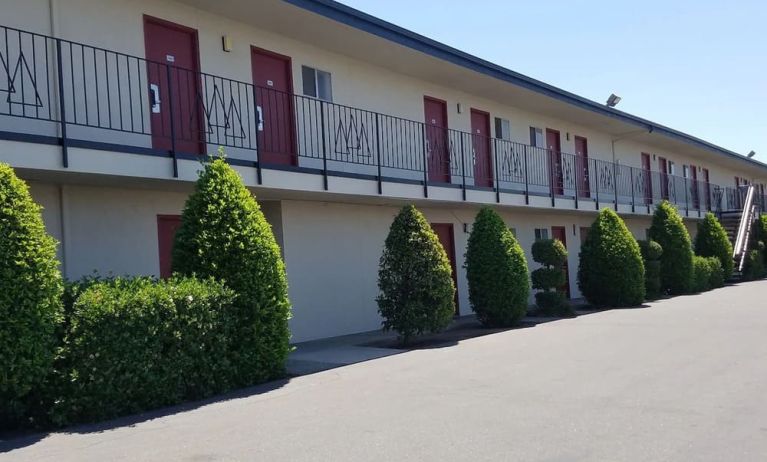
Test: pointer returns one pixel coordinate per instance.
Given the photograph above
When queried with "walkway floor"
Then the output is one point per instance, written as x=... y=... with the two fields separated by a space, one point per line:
x=681 y=379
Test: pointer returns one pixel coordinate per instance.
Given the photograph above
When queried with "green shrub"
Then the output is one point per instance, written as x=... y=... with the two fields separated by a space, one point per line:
x=712 y=241
x=754 y=267
x=611 y=271
x=224 y=235
x=138 y=344
x=651 y=253
x=414 y=278
x=668 y=230
x=496 y=270
x=30 y=299
x=701 y=280
x=717 y=273
x=550 y=278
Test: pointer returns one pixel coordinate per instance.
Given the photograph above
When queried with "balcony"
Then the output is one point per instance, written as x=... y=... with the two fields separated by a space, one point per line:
x=78 y=96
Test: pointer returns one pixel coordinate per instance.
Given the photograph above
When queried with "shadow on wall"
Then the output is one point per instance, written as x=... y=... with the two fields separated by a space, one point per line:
x=12 y=441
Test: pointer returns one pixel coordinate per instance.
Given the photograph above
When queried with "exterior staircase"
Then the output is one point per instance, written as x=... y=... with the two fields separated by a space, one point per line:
x=739 y=224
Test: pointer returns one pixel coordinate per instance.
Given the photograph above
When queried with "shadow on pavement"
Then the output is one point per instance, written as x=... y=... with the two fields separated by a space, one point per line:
x=12 y=441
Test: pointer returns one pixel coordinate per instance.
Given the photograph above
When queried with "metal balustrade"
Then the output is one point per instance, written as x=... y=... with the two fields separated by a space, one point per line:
x=76 y=95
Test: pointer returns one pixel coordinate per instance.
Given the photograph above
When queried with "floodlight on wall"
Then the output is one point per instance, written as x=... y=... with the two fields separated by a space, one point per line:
x=613 y=100
x=751 y=154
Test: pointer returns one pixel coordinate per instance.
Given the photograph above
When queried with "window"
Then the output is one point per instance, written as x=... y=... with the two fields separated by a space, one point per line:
x=317 y=83
x=536 y=137
x=686 y=171
x=671 y=168
x=502 y=129
x=541 y=233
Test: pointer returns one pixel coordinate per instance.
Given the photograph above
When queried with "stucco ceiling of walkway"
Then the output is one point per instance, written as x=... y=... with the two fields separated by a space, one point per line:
x=302 y=25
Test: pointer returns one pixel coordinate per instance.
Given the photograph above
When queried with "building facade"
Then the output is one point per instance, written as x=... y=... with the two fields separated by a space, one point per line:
x=334 y=119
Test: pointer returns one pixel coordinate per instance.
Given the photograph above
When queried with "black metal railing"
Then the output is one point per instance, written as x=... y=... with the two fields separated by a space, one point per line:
x=86 y=96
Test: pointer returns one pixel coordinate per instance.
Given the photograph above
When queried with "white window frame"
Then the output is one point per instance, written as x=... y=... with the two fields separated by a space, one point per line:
x=316 y=83
x=541 y=234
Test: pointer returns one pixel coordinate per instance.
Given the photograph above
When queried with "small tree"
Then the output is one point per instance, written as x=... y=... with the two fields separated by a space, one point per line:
x=549 y=279
x=224 y=235
x=417 y=293
x=30 y=298
x=499 y=286
x=712 y=241
x=651 y=253
x=668 y=230
x=611 y=272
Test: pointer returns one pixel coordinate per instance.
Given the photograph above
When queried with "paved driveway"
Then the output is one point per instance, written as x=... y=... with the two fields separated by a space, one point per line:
x=684 y=379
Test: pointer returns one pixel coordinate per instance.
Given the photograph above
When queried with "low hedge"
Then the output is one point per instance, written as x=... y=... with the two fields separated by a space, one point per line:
x=651 y=253
x=137 y=344
x=711 y=241
x=701 y=274
x=717 y=273
x=754 y=267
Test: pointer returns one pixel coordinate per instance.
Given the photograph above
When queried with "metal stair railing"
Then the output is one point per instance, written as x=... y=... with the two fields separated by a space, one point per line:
x=740 y=250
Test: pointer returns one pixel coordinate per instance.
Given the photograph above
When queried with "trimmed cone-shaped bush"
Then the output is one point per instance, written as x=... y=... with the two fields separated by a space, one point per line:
x=224 y=235
x=712 y=241
x=549 y=279
x=611 y=271
x=668 y=230
x=497 y=272
x=30 y=298
x=414 y=278
x=701 y=280
x=651 y=253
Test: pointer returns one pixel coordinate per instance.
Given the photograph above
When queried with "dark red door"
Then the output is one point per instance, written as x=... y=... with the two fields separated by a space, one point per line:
x=272 y=77
x=582 y=166
x=694 y=191
x=663 y=168
x=174 y=82
x=706 y=189
x=647 y=170
x=437 y=152
x=481 y=150
x=560 y=232
x=167 y=225
x=555 y=161
x=444 y=232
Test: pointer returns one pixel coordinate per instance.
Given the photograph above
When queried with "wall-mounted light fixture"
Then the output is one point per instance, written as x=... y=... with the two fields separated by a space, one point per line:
x=567 y=137
x=459 y=107
x=613 y=100
x=226 y=43
x=751 y=154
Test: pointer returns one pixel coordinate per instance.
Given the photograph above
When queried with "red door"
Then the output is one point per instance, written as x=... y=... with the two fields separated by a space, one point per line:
x=663 y=168
x=559 y=232
x=706 y=189
x=437 y=152
x=582 y=166
x=444 y=232
x=555 y=155
x=647 y=170
x=172 y=56
x=480 y=145
x=167 y=225
x=694 y=187
x=273 y=79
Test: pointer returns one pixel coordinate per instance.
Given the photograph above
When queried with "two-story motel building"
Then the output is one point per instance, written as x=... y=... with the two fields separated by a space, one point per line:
x=334 y=119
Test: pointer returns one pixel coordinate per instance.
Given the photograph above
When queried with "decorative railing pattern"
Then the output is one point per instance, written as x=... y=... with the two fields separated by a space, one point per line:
x=88 y=96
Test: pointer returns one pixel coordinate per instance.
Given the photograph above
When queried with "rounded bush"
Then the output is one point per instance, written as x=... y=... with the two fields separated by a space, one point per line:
x=668 y=230
x=712 y=241
x=611 y=271
x=224 y=235
x=496 y=270
x=701 y=274
x=417 y=293
x=30 y=299
x=138 y=344
x=549 y=252
x=754 y=267
x=545 y=278
x=549 y=279
x=651 y=253
x=717 y=273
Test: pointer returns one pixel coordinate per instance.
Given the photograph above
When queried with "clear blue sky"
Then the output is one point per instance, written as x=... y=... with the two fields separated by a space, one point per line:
x=696 y=66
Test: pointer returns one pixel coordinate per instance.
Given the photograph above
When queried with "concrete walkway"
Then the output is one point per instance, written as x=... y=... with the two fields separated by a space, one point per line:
x=682 y=379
